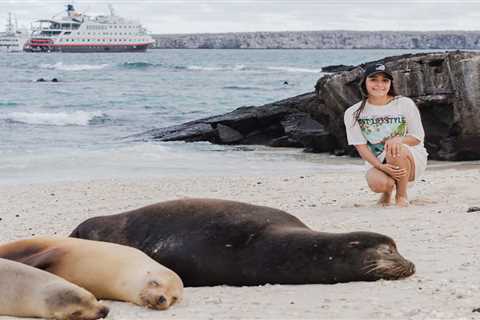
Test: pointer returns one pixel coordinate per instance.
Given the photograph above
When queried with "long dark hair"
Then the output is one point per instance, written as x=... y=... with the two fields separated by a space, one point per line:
x=363 y=90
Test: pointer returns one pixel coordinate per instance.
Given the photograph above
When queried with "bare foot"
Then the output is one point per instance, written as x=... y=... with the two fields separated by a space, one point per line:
x=384 y=200
x=402 y=202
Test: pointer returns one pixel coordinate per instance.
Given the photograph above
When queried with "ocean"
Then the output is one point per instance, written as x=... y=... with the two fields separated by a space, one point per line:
x=76 y=128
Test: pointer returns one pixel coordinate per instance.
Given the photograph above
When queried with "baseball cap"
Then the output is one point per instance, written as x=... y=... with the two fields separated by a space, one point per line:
x=375 y=68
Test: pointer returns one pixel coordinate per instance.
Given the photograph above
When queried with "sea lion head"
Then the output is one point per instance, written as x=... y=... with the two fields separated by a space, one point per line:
x=376 y=257
x=73 y=304
x=161 y=289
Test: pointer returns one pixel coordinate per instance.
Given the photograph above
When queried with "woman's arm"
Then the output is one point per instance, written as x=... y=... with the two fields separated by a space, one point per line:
x=393 y=171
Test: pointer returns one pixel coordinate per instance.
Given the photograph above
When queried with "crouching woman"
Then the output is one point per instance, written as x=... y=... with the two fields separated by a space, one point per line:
x=387 y=131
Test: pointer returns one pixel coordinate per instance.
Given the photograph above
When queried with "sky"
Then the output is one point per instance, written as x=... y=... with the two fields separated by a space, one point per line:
x=214 y=16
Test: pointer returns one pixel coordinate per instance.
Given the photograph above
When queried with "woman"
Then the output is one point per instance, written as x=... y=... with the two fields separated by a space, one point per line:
x=387 y=132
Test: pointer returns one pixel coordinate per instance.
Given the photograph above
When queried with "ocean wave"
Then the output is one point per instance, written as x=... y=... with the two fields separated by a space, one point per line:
x=243 y=68
x=238 y=67
x=246 y=88
x=139 y=65
x=73 y=67
x=295 y=69
x=8 y=104
x=78 y=118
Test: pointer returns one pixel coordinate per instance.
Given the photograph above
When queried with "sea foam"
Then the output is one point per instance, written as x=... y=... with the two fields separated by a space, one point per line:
x=78 y=118
x=73 y=67
x=295 y=70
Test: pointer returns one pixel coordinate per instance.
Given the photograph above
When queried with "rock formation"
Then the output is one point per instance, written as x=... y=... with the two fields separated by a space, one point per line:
x=445 y=86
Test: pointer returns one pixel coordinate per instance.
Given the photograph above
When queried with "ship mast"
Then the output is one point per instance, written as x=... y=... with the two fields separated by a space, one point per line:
x=10 y=28
x=112 y=12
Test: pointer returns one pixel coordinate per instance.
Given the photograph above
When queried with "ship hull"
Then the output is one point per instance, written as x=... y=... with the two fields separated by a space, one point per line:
x=118 y=48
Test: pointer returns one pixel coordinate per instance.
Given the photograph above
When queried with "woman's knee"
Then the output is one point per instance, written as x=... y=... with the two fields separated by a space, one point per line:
x=402 y=156
x=381 y=185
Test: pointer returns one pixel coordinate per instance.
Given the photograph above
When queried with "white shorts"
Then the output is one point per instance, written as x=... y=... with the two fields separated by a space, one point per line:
x=419 y=154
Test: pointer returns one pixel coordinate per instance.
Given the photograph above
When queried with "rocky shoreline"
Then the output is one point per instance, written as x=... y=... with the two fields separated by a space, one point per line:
x=335 y=39
x=445 y=87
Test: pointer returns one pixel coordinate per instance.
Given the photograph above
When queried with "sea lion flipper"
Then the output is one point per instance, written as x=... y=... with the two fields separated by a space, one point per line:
x=41 y=260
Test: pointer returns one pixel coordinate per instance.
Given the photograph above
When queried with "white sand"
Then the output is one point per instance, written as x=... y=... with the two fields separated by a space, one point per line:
x=435 y=233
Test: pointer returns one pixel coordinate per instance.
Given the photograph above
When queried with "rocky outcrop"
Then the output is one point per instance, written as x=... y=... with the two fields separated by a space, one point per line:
x=337 y=68
x=335 y=39
x=445 y=86
x=278 y=124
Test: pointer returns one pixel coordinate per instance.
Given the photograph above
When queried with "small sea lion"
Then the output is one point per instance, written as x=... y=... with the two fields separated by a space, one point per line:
x=107 y=270
x=214 y=242
x=30 y=292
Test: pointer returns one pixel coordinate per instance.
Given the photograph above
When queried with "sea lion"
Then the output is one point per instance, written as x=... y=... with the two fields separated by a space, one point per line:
x=214 y=242
x=109 y=271
x=30 y=292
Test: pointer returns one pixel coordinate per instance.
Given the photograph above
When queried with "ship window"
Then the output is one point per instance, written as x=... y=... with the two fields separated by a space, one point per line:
x=67 y=32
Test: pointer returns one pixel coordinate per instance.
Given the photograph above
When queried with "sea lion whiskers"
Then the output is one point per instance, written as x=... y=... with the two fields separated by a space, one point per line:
x=389 y=268
x=382 y=265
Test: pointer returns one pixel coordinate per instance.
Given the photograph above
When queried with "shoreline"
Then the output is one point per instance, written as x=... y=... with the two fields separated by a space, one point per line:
x=436 y=233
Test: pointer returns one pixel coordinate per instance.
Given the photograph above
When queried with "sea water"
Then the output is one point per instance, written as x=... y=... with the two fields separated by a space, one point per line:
x=76 y=128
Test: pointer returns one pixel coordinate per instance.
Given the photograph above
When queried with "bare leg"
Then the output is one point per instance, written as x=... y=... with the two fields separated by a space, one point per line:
x=380 y=182
x=404 y=161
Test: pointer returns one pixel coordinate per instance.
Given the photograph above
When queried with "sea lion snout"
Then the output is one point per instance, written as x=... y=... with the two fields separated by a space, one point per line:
x=157 y=296
x=410 y=268
x=155 y=301
x=385 y=262
x=103 y=312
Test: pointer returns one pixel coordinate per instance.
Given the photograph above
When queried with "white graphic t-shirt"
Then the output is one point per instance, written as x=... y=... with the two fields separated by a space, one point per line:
x=376 y=124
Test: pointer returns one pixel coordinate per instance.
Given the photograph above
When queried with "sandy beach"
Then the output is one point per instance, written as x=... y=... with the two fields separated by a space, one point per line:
x=435 y=232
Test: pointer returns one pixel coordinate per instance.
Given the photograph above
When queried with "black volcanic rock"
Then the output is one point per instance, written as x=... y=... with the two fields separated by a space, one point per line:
x=337 y=68
x=228 y=135
x=445 y=86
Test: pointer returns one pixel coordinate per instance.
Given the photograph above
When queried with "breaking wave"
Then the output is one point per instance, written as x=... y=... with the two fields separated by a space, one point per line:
x=238 y=67
x=295 y=70
x=73 y=67
x=139 y=65
x=77 y=118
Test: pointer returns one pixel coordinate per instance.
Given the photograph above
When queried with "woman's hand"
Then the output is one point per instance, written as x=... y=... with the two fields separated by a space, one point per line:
x=393 y=145
x=393 y=171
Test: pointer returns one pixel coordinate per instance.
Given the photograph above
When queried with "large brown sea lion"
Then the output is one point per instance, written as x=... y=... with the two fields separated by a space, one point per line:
x=29 y=292
x=213 y=242
x=107 y=270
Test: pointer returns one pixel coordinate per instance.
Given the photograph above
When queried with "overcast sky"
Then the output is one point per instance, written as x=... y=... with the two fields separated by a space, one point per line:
x=197 y=16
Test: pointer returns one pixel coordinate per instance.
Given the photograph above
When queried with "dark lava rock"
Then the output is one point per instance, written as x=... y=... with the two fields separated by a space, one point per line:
x=337 y=68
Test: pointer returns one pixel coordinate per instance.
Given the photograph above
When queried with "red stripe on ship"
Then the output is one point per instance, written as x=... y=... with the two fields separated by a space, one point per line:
x=94 y=45
x=99 y=45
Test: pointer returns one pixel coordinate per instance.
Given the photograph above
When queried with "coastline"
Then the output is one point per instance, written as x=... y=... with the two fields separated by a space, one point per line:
x=436 y=233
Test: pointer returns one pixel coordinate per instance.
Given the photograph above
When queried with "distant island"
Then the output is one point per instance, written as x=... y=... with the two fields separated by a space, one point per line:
x=466 y=40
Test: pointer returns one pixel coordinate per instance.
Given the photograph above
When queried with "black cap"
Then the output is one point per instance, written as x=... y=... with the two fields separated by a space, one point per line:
x=376 y=68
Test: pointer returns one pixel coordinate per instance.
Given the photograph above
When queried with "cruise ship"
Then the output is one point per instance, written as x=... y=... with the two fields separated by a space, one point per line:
x=77 y=32
x=13 y=39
